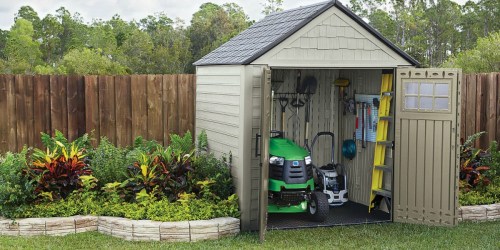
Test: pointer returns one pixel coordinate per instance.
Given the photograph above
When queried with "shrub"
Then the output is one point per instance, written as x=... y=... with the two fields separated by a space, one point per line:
x=208 y=167
x=16 y=189
x=57 y=171
x=166 y=172
x=108 y=163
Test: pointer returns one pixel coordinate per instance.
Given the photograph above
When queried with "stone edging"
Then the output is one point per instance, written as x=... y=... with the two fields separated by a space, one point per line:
x=127 y=229
x=479 y=213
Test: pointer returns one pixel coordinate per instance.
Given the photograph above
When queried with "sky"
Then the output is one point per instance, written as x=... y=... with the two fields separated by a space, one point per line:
x=132 y=9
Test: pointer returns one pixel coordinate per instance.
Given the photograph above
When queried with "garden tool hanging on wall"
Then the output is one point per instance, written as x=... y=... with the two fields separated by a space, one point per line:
x=307 y=87
x=348 y=103
x=283 y=103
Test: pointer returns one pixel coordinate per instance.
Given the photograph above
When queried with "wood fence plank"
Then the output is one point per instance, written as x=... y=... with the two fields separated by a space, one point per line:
x=471 y=106
x=30 y=119
x=56 y=101
x=192 y=104
x=123 y=111
x=11 y=113
x=81 y=106
x=64 y=103
x=481 y=99
x=41 y=107
x=170 y=107
x=183 y=104
x=138 y=88
x=155 y=116
x=72 y=104
x=107 y=110
x=4 y=129
x=92 y=108
x=497 y=84
x=463 y=108
x=22 y=124
x=491 y=108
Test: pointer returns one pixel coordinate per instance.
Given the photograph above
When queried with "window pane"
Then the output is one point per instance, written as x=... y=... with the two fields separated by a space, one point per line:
x=441 y=104
x=411 y=102
x=411 y=88
x=442 y=89
x=426 y=88
x=425 y=103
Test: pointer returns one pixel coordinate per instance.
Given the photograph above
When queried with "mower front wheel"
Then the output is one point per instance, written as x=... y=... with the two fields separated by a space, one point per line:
x=318 y=207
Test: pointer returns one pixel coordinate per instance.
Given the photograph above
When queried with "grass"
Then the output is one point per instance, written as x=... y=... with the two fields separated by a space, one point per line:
x=376 y=236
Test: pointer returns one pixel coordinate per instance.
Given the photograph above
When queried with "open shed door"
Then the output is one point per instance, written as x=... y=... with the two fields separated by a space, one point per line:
x=427 y=146
x=265 y=128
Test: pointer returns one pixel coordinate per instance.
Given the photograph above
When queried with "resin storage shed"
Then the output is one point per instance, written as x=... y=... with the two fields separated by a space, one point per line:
x=240 y=83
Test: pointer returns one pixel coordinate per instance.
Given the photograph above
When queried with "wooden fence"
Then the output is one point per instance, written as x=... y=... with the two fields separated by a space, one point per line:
x=118 y=107
x=481 y=107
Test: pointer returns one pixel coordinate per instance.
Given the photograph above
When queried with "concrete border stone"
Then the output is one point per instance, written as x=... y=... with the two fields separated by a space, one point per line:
x=479 y=213
x=137 y=230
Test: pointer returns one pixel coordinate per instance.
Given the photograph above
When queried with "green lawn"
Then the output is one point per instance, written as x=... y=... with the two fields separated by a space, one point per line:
x=382 y=236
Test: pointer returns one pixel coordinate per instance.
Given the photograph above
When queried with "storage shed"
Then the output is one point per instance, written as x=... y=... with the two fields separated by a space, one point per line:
x=240 y=84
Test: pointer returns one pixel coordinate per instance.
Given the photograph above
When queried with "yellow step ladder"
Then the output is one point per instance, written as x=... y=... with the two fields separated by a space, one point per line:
x=380 y=166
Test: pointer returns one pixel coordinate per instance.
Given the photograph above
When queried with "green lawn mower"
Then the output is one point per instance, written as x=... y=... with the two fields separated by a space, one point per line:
x=291 y=183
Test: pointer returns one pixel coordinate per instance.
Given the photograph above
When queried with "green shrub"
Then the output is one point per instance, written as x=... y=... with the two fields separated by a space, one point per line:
x=57 y=171
x=108 y=163
x=16 y=189
x=493 y=161
x=166 y=172
x=209 y=167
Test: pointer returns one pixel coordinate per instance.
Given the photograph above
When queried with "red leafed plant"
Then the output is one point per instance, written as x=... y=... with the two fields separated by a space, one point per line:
x=57 y=171
x=472 y=171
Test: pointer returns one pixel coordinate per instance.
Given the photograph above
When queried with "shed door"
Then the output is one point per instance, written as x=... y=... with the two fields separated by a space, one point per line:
x=265 y=127
x=427 y=146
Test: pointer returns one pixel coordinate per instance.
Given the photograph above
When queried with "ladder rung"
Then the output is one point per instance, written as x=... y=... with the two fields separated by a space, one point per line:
x=386 y=143
x=388 y=93
x=386 y=118
x=383 y=192
x=384 y=168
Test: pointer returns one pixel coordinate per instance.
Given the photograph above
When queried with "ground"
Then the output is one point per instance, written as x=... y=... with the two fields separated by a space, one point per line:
x=375 y=236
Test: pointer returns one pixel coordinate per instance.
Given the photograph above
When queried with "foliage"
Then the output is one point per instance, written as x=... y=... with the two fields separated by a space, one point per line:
x=484 y=57
x=493 y=161
x=58 y=170
x=202 y=142
x=159 y=185
x=90 y=62
x=471 y=169
x=208 y=167
x=21 y=49
x=479 y=173
x=431 y=31
x=108 y=163
x=16 y=189
x=165 y=172
x=271 y=6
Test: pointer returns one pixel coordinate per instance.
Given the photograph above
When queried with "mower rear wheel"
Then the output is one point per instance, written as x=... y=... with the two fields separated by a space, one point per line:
x=318 y=206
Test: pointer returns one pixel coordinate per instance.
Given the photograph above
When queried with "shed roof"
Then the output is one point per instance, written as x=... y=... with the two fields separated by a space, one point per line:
x=275 y=28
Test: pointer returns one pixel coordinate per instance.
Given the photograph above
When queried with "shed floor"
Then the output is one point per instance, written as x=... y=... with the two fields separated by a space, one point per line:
x=350 y=213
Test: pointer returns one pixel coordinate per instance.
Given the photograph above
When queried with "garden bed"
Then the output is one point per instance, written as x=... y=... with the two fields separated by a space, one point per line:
x=479 y=213
x=137 y=230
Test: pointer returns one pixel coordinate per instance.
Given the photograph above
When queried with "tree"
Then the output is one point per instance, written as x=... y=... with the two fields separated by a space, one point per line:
x=213 y=25
x=271 y=6
x=90 y=62
x=28 y=13
x=51 y=31
x=3 y=42
x=21 y=50
x=484 y=57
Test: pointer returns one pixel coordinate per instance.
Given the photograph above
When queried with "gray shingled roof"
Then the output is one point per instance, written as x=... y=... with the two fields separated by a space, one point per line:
x=275 y=28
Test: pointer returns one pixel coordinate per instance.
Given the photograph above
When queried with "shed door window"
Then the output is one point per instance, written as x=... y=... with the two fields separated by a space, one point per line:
x=427 y=96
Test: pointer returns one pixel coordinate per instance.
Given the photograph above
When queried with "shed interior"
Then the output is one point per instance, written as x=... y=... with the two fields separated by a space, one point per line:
x=327 y=113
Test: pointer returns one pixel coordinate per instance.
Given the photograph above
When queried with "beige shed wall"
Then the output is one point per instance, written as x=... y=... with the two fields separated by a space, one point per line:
x=332 y=39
